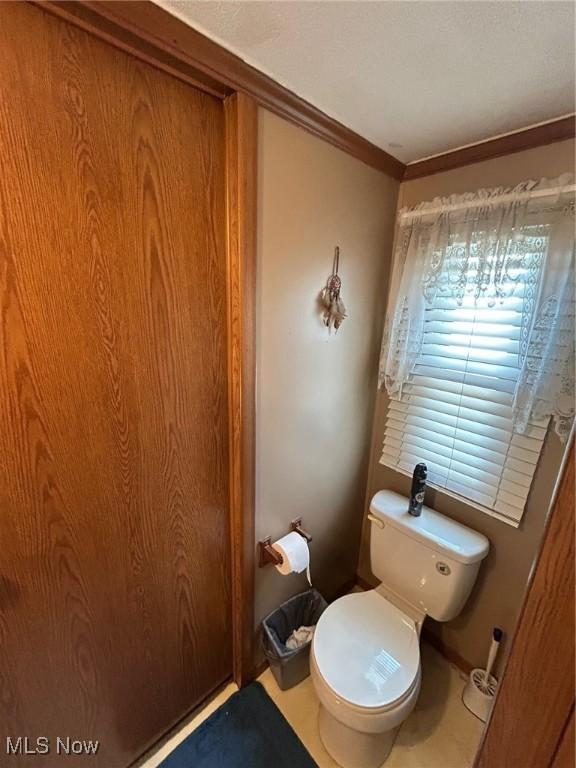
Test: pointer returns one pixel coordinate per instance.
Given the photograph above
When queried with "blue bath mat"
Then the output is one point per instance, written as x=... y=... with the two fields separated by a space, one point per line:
x=247 y=731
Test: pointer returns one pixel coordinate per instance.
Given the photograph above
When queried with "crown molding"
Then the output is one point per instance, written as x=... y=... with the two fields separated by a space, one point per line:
x=538 y=136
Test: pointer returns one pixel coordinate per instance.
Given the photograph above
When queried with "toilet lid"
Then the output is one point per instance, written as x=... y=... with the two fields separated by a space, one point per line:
x=367 y=650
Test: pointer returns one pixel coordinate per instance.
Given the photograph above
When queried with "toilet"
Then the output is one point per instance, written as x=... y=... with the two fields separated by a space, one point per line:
x=365 y=656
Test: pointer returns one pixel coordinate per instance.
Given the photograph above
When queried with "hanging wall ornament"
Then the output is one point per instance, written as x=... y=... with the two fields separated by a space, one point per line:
x=333 y=307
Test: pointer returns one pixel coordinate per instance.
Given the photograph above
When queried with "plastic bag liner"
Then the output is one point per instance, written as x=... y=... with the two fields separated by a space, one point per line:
x=290 y=667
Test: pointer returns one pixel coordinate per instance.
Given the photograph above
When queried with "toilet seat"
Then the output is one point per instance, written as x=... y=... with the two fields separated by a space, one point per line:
x=367 y=653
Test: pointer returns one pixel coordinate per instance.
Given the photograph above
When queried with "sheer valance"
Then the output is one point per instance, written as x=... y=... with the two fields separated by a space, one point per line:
x=491 y=252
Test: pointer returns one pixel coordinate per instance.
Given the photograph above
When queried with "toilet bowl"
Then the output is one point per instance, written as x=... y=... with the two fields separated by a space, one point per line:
x=365 y=656
x=365 y=666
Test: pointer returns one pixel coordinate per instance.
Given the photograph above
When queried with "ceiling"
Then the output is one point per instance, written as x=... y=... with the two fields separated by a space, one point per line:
x=415 y=78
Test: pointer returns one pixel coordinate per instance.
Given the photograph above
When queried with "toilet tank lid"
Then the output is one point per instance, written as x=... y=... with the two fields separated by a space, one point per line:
x=432 y=529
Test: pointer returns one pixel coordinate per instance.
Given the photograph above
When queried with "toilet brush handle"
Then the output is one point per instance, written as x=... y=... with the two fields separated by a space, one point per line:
x=496 y=637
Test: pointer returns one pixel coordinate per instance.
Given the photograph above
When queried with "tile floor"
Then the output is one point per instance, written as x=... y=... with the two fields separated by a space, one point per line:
x=440 y=733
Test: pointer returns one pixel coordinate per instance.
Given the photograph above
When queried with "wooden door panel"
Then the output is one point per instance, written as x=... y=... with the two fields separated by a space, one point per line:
x=565 y=753
x=532 y=709
x=114 y=543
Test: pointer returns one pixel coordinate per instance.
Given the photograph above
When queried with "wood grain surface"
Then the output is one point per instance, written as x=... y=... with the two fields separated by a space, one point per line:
x=536 y=694
x=153 y=34
x=115 y=615
x=241 y=114
x=565 y=752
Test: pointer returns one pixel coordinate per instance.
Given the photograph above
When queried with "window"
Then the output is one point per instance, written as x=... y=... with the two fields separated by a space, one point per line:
x=478 y=349
x=455 y=410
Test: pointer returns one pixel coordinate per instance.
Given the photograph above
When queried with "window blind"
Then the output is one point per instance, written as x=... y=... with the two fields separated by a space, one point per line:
x=455 y=412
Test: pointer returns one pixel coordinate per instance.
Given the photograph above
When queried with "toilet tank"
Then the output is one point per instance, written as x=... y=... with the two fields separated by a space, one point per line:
x=429 y=561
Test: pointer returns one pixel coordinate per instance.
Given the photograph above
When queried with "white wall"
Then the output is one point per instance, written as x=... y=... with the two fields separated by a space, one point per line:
x=315 y=391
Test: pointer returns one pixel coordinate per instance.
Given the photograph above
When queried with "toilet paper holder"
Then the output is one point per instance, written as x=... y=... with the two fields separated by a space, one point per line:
x=296 y=525
x=266 y=552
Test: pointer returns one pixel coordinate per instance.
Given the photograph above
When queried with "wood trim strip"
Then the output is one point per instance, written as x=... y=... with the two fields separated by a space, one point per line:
x=559 y=130
x=152 y=34
x=536 y=694
x=241 y=163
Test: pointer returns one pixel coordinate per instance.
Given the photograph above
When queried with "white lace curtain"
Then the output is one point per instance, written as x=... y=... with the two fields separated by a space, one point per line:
x=484 y=248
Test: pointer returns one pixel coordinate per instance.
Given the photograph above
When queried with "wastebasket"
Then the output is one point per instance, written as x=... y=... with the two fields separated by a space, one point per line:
x=290 y=667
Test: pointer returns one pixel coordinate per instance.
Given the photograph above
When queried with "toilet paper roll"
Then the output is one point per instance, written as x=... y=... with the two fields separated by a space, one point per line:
x=295 y=554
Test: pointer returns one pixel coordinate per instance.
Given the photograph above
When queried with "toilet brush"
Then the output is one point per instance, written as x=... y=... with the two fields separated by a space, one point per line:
x=478 y=695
